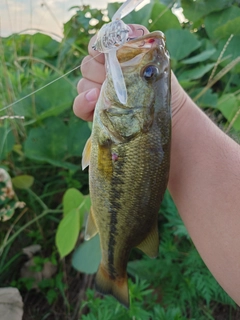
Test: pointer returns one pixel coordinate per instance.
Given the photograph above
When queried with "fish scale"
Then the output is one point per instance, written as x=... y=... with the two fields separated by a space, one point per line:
x=128 y=155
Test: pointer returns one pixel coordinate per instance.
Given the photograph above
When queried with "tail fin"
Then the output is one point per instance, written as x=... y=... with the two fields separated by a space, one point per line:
x=118 y=287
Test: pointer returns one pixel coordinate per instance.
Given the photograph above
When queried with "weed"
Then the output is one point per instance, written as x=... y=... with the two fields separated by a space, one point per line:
x=41 y=144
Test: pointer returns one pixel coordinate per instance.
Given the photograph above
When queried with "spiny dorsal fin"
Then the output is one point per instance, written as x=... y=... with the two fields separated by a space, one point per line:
x=91 y=228
x=150 y=244
x=86 y=154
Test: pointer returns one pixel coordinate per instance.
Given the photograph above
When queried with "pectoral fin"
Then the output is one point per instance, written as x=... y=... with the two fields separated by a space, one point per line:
x=86 y=154
x=91 y=228
x=150 y=244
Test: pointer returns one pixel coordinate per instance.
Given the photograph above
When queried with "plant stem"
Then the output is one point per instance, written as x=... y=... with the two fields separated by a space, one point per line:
x=44 y=213
x=12 y=226
x=42 y=204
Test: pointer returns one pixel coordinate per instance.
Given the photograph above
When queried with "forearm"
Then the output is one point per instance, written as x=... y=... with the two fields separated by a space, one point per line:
x=205 y=185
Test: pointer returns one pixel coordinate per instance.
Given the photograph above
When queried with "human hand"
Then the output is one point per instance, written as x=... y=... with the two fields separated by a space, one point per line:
x=93 y=71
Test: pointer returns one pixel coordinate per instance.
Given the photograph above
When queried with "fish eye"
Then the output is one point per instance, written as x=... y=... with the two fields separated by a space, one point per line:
x=150 y=73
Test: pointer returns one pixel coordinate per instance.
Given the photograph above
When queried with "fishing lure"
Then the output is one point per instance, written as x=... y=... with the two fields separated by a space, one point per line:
x=109 y=39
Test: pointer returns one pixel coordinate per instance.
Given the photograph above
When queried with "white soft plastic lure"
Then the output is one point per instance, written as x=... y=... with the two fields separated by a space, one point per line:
x=109 y=39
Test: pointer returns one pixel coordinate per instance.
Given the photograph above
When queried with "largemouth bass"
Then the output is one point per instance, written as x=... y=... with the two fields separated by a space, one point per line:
x=128 y=155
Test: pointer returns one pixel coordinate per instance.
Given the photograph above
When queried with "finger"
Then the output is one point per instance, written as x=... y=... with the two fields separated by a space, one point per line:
x=85 y=102
x=86 y=85
x=93 y=70
x=94 y=74
x=137 y=30
x=94 y=53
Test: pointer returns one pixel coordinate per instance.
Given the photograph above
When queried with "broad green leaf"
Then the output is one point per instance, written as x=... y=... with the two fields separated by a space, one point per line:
x=141 y=16
x=217 y=20
x=194 y=10
x=78 y=133
x=55 y=141
x=163 y=18
x=170 y=3
x=181 y=43
x=44 y=46
x=23 y=181
x=208 y=99
x=197 y=72
x=56 y=98
x=236 y=80
x=67 y=232
x=141 y=268
x=83 y=21
x=200 y=57
x=54 y=111
x=87 y=256
x=231 y=27
x=229 y=105
x=48 y=142
x=61 y=164
x=188 y=84
x=72 y=199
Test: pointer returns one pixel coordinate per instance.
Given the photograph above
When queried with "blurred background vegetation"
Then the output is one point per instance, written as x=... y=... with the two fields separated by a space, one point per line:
x=42 y=217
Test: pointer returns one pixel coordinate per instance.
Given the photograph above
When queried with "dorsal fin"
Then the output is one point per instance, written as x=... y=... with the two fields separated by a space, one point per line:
x=150 y=244
x=86 y=154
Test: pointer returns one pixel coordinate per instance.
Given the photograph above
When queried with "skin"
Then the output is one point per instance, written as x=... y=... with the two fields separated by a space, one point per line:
x=204 y=174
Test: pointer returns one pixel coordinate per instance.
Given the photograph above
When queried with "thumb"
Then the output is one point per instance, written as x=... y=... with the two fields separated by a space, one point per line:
x=137 y=30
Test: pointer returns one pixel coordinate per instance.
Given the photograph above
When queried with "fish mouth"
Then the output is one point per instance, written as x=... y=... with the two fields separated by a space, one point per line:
x=139 y=45
x=147 y=40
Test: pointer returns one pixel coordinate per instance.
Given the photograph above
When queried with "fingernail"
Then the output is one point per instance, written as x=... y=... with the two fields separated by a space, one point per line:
x=91 y=95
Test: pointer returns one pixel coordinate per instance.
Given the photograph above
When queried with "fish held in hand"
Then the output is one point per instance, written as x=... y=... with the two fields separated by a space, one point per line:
x=128 y=155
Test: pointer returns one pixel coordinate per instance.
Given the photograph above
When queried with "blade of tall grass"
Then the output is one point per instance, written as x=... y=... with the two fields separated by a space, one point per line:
x=233 y=120
x=220 y=58
x=218 y=76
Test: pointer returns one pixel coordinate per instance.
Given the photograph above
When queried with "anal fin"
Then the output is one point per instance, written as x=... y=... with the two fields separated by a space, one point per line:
x=91 y=228
x=117 y=287
x=150 y=245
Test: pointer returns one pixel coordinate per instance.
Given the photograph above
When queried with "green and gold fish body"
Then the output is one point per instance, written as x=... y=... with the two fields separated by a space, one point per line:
x=129 y=155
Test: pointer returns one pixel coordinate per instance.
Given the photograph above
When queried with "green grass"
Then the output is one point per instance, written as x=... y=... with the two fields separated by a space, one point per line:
x=47 y=144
